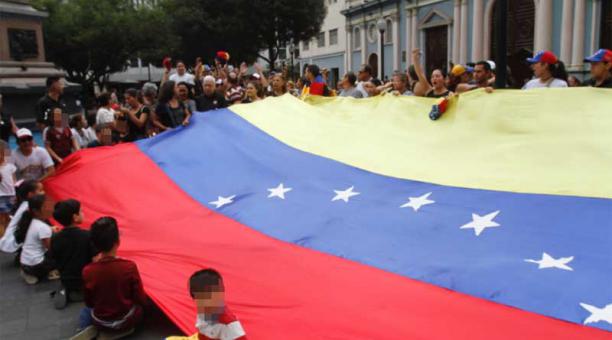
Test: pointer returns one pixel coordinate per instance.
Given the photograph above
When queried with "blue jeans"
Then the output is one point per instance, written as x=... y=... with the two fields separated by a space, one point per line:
x=85 y=319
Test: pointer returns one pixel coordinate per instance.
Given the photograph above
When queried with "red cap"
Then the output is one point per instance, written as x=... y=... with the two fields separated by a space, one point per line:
x=544 y=57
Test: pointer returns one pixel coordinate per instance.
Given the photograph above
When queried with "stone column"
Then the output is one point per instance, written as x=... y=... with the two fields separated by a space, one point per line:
x=364 y=47
x=397 y=57
x=578 y=36
x=477 y=30
x=349 y=49
x=409 y=47
x=543 y=25
x=456 y=31
x=463 y=55
x=415 y=35
x=566 y=34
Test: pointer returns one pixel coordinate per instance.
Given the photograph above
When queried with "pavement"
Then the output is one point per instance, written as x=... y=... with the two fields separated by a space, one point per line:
x=26 y=312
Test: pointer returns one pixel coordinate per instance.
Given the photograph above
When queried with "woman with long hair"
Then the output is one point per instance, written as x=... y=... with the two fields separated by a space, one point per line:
x=548 y=71
x=254 y=92
x=433 y=88
x=35 y=234
x=137 y=115
x=170 y=111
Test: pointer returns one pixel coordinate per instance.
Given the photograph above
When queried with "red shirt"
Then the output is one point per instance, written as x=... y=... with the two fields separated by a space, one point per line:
x=61 y=141
x=111 y=287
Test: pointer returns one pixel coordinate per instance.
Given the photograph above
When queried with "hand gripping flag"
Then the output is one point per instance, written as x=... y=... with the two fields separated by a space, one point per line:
x=338 y=218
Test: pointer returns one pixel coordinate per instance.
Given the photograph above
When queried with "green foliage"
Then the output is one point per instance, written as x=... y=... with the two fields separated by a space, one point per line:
x=92 y=39
x=242 y=27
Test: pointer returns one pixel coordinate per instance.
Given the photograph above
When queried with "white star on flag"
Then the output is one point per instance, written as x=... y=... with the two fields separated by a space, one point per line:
x=548 y=261
x=598 y=314
x=480 y=223
x=417 y=202
x=221 y=201
x=344 y=194
x=279 y=191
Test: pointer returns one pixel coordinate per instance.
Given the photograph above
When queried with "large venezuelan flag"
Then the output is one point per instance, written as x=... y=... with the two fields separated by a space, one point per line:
x=362 y=219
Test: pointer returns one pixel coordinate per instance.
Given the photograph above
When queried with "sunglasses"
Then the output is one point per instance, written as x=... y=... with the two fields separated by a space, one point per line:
x=25 y=139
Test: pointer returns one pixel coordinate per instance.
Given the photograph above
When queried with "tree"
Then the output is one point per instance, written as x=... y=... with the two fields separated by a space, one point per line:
x=283 y=21
x=242 y=27
x=92 y=39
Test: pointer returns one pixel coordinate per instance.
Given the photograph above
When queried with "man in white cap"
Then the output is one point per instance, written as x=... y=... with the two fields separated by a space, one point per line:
x=32 y=162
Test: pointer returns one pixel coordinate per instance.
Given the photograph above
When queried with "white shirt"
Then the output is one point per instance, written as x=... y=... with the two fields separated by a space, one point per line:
x=105 y=116
x=7 y=186
x=186 y=77
x=32 y=166
x=33 y=251
x=537 y=83
x=84 y=140
x=7 y=242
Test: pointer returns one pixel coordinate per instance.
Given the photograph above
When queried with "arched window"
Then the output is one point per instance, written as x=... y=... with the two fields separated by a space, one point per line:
x=356 y=38
x=372 y=33
x=389 y=32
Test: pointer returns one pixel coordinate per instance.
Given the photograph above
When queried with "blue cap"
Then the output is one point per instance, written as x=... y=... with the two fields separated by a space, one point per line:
x=601 y=55
x=543 y=57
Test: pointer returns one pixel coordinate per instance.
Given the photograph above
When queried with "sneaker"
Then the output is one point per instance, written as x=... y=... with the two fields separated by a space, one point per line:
x=29 y=279
x=60 y=299
x=88 y=333
x=53 y=275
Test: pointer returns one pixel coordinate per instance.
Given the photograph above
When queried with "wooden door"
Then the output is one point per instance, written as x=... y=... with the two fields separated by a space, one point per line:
x=436 y=48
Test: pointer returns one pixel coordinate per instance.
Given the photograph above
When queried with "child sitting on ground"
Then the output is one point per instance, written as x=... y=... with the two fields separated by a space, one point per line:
x=71 y=251
x=214 y=320
x=35 y=234
x=112 y=287
x=25 y=191
x=7 y=186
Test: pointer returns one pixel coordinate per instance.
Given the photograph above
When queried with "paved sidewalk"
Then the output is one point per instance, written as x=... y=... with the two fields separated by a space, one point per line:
x=26 y=312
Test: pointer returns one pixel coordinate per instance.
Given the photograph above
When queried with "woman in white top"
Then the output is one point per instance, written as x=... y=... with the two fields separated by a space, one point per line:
x=105 y=114
x=35 y=234
x=548 y=71
x=25 y=191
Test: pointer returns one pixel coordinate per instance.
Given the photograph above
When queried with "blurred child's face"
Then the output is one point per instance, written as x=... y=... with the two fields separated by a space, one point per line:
x=210 y=302
x=40 y=190
x=57 y=117
x=47 y=209
x=78 y=218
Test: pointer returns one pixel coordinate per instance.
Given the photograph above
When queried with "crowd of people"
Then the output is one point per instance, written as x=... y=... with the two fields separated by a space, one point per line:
x=85 y=261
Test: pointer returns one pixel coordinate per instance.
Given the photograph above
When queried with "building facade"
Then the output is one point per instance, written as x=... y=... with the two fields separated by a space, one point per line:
x=460 y=31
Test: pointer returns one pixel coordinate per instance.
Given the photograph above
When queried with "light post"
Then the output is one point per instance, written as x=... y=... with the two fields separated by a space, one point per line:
x=382 y=26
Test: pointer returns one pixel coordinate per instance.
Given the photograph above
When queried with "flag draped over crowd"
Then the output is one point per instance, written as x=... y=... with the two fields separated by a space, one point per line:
x=336 y=218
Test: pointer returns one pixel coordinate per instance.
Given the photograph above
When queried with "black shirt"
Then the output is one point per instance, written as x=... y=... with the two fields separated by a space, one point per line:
x=432 y=94
x=45 y=107
x=135 y=132
x=71 y=250
x=170 y=116
x=6 y=128
x=205 y=103
x=605 y=84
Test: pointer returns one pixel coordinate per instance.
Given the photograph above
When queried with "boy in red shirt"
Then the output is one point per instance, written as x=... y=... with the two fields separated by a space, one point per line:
x=112 y=287
x=214 y=319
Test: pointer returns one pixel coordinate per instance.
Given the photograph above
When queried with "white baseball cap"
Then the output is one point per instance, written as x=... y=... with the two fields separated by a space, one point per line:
x=24 y=133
